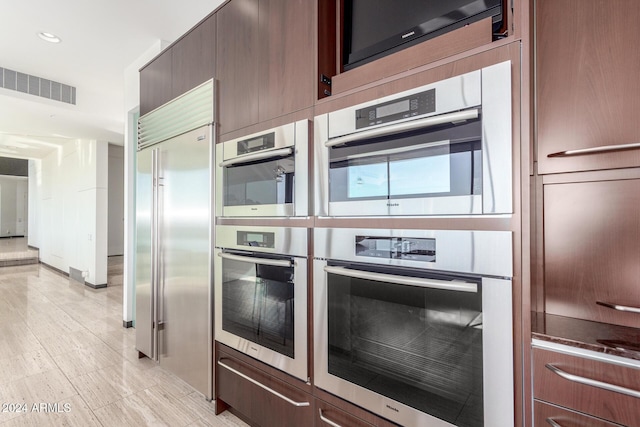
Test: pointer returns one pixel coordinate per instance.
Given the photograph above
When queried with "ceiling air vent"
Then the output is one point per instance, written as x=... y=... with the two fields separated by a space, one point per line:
x=35 y=85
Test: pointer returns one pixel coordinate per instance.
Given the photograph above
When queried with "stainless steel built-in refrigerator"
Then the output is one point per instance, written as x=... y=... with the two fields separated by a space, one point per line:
x=173 y=238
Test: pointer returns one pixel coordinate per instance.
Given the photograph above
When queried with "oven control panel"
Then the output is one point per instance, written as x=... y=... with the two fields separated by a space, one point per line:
x=257 y=143
x=405 y=248
x=256 y=239
x=401 y=108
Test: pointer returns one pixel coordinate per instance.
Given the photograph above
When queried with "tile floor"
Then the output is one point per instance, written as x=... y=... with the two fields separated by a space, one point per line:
x=65 y=359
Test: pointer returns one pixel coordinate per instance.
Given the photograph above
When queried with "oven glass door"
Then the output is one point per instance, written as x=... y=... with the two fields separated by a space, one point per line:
x=266 y=182
x=420 y=345
x=434 y=162
x=258 y=300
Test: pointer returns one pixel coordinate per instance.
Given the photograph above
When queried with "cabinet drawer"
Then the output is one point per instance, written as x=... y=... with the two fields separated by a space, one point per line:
x=265 y=400
x=602 y=389
x=545 y=415
x=330 y=416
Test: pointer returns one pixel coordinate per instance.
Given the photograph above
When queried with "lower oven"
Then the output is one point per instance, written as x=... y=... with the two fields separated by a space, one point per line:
x=260 y=292
x=416 y=325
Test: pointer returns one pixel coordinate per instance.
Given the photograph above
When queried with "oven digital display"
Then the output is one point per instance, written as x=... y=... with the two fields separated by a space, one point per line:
x=258 y=143
x=405 y=248
x=395 y=108
x=256 y=239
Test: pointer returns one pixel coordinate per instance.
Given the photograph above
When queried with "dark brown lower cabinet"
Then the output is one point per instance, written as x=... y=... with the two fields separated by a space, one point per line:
x=259 y=397
x=595 y=388
x=545 y=415
x=330 y=416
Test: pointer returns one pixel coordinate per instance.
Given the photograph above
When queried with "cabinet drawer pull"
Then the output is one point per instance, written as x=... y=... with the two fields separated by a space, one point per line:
x=592 y=382
x=595 y=150
x=553 y=423
x=264 y=387
x=619 y=307
x=327 y=420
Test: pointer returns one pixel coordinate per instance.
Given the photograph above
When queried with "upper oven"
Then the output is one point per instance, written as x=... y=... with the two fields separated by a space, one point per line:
x=416 y=325
x=439 y=149
x=264 y=174
x=260 y=294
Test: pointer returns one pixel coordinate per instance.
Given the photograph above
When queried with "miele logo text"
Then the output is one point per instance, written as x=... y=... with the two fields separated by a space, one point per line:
x=253 y=348
x=393 y=204
x=404 y=36
x=392 y=408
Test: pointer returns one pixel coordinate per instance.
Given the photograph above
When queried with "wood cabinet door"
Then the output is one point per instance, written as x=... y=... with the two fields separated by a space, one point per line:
x=193 y=57
x=287 y=57
x=155 y=83
x=592 y=250
x=238 y=67
x=587 y=85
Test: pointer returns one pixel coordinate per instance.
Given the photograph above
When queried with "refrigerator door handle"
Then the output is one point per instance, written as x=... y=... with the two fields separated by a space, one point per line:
x=160 y=245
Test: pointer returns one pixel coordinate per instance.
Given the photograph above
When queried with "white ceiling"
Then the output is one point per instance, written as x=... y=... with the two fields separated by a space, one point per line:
x=100 y=38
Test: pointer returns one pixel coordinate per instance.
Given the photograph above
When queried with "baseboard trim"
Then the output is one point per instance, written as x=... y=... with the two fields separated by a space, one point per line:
x=54 y=269
x=91 y=285
x=18 y=262
x=127 y=323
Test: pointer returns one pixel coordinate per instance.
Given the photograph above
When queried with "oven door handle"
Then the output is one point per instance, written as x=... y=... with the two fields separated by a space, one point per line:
x=260 y=155
x=254 y=260
x=403 y=280
x=458 y=116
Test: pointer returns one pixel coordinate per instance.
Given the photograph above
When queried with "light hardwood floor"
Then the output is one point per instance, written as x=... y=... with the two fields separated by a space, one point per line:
x=65 y=359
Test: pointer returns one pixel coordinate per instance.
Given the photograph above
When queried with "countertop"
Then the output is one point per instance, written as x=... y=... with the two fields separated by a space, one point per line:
x=616 y=340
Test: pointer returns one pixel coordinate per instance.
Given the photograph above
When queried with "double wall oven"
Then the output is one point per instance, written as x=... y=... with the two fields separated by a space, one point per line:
x=440 y=149
x=261 y=294
x=415 y=325
x=264 y=174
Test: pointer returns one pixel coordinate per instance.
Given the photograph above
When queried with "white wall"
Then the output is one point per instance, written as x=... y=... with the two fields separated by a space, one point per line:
x=115 y=239
x=131 y=109
x=13 y=214
x=68 y=204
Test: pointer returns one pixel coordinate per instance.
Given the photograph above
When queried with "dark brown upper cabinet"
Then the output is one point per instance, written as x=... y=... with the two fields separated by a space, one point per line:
x=193 y=58
x=237 y=64
x=265 y=60
x=286 y=57
x=587 y=85
x=184 y=65
x=155 y=83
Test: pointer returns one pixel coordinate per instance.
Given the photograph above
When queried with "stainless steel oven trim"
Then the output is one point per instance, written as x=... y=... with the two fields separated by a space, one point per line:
x=404 y=280
x=261 y=155
x=497 y=161
x=257 y=260
x=293 y=135
x=462 y=92
x=289 y=242
x=497 y=356
x=489 y=88
x=405 y=126
x=486 y=253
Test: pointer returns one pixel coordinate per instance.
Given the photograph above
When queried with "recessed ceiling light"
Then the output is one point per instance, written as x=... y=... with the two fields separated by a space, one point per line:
x=48 y=37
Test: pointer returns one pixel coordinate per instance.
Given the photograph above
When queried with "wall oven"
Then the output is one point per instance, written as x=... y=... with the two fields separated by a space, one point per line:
x=264 y=174
x=416 y=325
x=260 y=294
x=440 y=149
